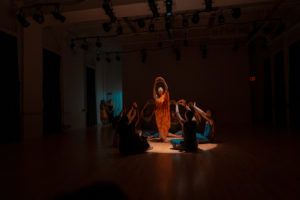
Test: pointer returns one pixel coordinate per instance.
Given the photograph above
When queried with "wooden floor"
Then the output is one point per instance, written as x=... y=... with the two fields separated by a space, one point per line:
x=242 y=164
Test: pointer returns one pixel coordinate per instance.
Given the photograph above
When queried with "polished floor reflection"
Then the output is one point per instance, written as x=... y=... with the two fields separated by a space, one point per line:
x=242 y=164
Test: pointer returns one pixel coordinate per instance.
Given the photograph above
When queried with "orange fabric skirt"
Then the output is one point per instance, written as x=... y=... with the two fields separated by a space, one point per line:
x=162 y=114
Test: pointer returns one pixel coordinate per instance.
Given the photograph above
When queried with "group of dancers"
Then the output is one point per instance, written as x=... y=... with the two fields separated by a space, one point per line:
x=162 y=118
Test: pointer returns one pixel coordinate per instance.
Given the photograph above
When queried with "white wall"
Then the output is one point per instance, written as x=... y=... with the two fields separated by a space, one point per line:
x=73 y=88
x=220 y=81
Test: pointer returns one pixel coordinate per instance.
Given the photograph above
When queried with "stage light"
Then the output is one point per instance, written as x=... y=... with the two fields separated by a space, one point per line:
x=118 y=58
x=153 y=8
x=208 y=5
x=151 y=27
x=38 y=16
x=98 y=43
x=22 y=19
x=160 y=44
x=73 y=45
x=221 y=19
x=108 y=59
x=236 y=13
x=57 y=15
x=106 y=26
x=195 y=18
x=144 y=55
x=85 y=45
x=169 y=7
x=108 y=10
x=141 y=23
x=120 y=30
x=185 y=22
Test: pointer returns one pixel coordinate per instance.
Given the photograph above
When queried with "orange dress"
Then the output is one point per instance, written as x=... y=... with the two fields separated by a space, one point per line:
x=162 y=114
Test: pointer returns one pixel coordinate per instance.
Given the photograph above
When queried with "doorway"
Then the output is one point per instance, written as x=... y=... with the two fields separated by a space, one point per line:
x=11 y=117
x=294 y=85
x=279 y=93
x=51 y=93
x=91 y=114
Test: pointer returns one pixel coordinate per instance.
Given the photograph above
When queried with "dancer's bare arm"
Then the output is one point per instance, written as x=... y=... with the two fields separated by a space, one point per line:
x=178 y=114
x=203 y=114
x=162 y=80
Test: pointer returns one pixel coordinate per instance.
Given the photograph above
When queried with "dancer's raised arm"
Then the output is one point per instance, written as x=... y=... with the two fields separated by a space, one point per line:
x=162 y=80
x=203 y=114
x=165 y=84
x=149 y=102
x=178 y=114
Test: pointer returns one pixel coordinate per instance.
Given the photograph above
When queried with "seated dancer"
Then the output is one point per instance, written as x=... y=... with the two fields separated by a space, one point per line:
x=205 y=131
x=176 y=123
x=103 y=113
x=189 y=142
x=130 y=141
x=110 y=110
x=209 y=130
x=162 y=108
x=147 y=119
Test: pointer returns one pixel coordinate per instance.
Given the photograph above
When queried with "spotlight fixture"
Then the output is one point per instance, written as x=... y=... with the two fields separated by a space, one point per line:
x=73 y=45
x=153 y=8
x=38 y=16
x=185 y=22
x=108 y=59
x=85 y=45
x=141 y=23
x=195 y=18
x=57 y=15
x=236 y=13
x=108 y=10
x=169 y=4
x=98 y=43
x=144 y=55
x=151 y=27
x=22 y=19
x=208 y=5
x=106 y=26
x=160 y=44
x=118 y=58
x=120 y=30
x=221 y=19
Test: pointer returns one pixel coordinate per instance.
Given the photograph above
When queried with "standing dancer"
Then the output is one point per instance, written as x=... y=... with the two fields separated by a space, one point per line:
x=162 y=109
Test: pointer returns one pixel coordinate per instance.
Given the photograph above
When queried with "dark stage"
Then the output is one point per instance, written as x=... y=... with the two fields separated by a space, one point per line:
x=245 y=164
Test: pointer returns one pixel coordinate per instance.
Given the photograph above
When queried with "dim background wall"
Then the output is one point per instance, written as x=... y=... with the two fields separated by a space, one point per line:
x=220 y=81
